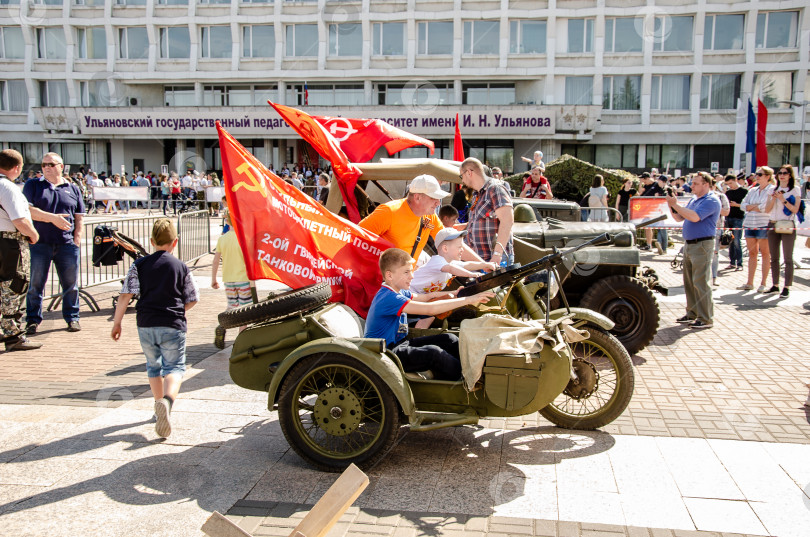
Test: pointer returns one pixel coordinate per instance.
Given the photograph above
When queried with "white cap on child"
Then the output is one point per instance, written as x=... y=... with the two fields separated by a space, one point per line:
x=447 y=234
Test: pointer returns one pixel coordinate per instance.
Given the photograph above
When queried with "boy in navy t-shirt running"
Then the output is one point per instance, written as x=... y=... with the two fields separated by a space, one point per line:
x=388 y=319
x=167 y=290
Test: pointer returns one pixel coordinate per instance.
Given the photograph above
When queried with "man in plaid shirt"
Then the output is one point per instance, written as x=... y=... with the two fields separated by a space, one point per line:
x=489 y=232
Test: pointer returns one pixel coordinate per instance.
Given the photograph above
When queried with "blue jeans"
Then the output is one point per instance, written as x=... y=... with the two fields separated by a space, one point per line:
x=65 y=258
x=735 y=254
x=165 y=350
x=663 y=238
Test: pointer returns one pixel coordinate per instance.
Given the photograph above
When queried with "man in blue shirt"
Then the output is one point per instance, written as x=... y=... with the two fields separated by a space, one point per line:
x=699 y=219
x=57 y=208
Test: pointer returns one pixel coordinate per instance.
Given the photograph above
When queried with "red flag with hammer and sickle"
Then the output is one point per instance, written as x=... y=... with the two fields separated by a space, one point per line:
x=287 y=236
x=361 y=138
x=328 y=148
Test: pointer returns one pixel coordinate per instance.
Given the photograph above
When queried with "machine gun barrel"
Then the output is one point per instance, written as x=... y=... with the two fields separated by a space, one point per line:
x=651 y=221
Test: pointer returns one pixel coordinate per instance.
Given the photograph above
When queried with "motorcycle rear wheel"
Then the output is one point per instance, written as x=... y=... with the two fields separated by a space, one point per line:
x=605 y=388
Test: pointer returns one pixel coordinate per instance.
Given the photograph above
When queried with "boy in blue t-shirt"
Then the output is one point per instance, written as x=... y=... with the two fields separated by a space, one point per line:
x=167 y=290
x=388 y=319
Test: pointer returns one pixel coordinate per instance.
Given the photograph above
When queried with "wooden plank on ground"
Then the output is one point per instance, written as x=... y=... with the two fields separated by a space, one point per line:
x=340 y=496
x=219 y=526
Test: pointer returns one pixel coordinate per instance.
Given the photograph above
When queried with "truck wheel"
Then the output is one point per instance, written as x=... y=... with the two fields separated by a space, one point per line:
x=630 y=304
x=604 y=388
x=277 y=307
x=335 y=411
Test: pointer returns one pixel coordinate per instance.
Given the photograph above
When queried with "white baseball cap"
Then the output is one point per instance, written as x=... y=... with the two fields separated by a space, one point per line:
x=427 y=185
x=447 y=234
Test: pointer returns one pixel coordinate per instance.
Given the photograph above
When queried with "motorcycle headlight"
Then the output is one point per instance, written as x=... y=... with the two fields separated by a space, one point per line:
x=549 y=281
x=553 y=285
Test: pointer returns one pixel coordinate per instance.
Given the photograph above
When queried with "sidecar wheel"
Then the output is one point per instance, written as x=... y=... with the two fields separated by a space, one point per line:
x=335 y=411
x=605 y=387
x=280 y=306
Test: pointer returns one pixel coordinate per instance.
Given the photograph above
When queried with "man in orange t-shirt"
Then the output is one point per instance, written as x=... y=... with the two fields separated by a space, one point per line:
x=399 y=221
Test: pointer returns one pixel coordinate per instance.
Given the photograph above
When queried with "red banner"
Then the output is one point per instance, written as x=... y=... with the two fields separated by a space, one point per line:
x=642 y=209
x=327 y=147
x=361 y=138
x=458 y=148
x=762 y=126
x=288 y=237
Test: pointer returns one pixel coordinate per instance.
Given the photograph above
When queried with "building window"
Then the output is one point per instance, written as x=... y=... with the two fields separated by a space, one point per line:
x=216 y=42
x=91 y=43
x=53 y=93
x=579 y=90
x=621 y=93
x=585 y=152
x=615 y=155
x=704 y=155
x=434 y=38
x=724 y=32
x=259 y=41
x=12 y=45
x=667 y=156
x=51 y=43
x=302 y=40
x=133 y=43
x=527 y=37
x=167 y=2
x=130 y=2
x=89 y=3
x=624 y=34
x=580 y=35
x=75 y=154
x=346 y=39
x=212 y=2
x=238 y=95
x=719 y=92
x=670 y=92
x=95 y=93
x=672 y=34
x=174 y=42
x=327 y=94
x=418 y=96
x=772 y=87
x=488 y=94
x=179 y=96
x=481 y=37
x=47 y=2
x=13 y=96
x=388 y=39
x=500 y=153
x=777 y=29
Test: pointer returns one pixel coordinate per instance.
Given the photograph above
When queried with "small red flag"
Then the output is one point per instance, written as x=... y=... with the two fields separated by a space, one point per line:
x=327 y=147
x=762 y=126
x=287 y=236
x=458 y=147
x=361 y=138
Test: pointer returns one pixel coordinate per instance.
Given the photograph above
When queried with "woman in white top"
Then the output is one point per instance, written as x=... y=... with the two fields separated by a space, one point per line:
x=785 y=198
x=598 y=198
x=755 y=226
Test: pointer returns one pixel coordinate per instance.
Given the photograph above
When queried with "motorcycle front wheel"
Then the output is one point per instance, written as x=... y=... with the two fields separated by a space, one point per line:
x=604 y=386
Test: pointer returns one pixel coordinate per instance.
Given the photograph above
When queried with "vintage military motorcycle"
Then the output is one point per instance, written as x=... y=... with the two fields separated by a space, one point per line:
x=341 y=398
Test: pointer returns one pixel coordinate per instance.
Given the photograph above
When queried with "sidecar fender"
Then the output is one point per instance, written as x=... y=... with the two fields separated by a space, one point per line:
x=366 y=351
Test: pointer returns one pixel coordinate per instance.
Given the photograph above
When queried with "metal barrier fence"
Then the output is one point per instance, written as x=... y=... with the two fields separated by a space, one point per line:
x=193 y=230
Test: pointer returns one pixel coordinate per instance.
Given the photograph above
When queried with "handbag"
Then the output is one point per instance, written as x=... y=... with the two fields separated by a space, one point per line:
x=726 y=238
x=783 y=226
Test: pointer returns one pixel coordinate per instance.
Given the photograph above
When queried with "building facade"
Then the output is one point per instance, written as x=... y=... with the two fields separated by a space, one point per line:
x=622 y=83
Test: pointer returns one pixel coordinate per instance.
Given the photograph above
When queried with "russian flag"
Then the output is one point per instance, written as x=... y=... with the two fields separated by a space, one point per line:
x=306 y=94
x=750 y=136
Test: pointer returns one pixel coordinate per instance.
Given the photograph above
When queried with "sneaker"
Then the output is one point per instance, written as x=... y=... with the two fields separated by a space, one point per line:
x=74 y=326
x=31 y=329
x=21 y=344
x=785 y=292
x=745 y=287
x=714 y=283
x=163 y=427
x=644 y=247
x=219 y=337
x=761 y=289
x=773 y=289
x=659 y=248
x=685 y=319
x=700 y=324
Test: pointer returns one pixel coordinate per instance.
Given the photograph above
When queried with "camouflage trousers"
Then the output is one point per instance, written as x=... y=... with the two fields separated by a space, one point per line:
x=17 y=264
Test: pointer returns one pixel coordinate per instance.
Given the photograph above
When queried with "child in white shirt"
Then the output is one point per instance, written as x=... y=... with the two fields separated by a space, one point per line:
x=434 y=275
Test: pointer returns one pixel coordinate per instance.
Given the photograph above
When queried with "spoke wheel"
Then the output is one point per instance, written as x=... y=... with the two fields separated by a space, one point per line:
x=604 y=386
x=335 y=411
